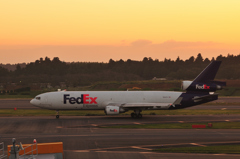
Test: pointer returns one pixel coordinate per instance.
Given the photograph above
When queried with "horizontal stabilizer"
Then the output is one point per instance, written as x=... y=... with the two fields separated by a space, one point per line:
x=210 y=96
x=220 y=83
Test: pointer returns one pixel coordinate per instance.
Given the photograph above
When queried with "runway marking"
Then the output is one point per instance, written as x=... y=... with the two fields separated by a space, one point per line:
x=146 y=152
x=109 y=148
x=131 y=152
x=188 y=143
x=223 y=108
x=137 y=123
x=198 y=144
x=226 y=120
x=96 y=144
x=81 y=151
x=136 y=147
x=168 y=145
x=59 y=127
x=110 y=151
x=181 y=121
x=91 y=130
x=94 y=125
x=124 y=147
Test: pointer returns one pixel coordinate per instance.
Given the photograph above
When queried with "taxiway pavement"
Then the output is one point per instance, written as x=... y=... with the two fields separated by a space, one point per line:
x=82 y=138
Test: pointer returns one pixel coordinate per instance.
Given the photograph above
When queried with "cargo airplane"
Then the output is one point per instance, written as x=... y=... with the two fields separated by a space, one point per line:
x=198 y=91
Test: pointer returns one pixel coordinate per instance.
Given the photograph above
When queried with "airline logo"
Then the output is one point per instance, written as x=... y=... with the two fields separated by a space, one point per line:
x=202 y=87
x=113 y=110
x=83 y=99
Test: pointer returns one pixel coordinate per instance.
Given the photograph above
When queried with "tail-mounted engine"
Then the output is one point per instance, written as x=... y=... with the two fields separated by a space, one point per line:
x=210 y=86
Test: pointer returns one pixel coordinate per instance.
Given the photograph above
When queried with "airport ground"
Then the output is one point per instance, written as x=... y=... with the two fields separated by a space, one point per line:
x=83 y=137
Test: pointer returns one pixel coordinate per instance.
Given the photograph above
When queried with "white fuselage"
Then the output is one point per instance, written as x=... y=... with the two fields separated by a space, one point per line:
x=67 y=100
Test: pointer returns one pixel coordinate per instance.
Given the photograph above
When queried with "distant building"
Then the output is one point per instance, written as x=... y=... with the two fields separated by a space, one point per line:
x=35 y=86
x=62 y=84
x=134 y=88
x=1 y=85
x=159 y=79
x=45 y=85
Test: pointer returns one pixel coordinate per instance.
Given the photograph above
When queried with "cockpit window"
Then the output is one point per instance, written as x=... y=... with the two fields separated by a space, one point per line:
x=38 y=98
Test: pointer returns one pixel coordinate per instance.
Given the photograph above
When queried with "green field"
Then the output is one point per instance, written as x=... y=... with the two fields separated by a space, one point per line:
x=219 y=149
x=44 y=112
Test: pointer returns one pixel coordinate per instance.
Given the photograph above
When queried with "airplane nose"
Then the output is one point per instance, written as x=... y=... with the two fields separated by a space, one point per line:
x=32 y=101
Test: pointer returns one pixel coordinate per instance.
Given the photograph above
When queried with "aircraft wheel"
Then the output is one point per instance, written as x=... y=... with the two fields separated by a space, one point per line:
x=57 y=116
x=135 y=115
x=139 y=116
x=132 y=115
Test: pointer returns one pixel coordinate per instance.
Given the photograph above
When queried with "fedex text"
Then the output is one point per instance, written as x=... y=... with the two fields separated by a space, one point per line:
x=202 y=87
x=83 y=99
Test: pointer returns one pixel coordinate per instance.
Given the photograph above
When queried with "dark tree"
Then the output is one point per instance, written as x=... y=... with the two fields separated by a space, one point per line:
x=199 y=58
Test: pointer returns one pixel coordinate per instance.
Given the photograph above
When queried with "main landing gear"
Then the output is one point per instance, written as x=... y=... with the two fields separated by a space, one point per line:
x=136 y=114
x=57 y=116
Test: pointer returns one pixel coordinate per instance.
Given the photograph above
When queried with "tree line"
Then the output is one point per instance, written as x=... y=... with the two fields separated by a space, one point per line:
x=75 y=74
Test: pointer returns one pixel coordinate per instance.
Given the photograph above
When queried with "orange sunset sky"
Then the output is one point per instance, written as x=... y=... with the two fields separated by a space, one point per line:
x=97 y=30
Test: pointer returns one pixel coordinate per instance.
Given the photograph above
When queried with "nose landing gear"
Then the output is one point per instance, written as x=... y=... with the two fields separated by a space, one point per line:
x=57 y=116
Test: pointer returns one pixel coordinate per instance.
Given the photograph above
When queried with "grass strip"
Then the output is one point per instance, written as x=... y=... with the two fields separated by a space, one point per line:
x=44 y=112
x=222 y=103
x=190 y=112
x=17 y=97
x=219 y=149
x=216 y=125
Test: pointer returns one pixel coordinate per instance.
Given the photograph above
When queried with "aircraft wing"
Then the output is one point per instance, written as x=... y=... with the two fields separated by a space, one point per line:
x=145 y=105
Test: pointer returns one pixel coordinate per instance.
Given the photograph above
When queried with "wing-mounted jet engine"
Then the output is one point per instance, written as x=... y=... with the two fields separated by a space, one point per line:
x=114 y=110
